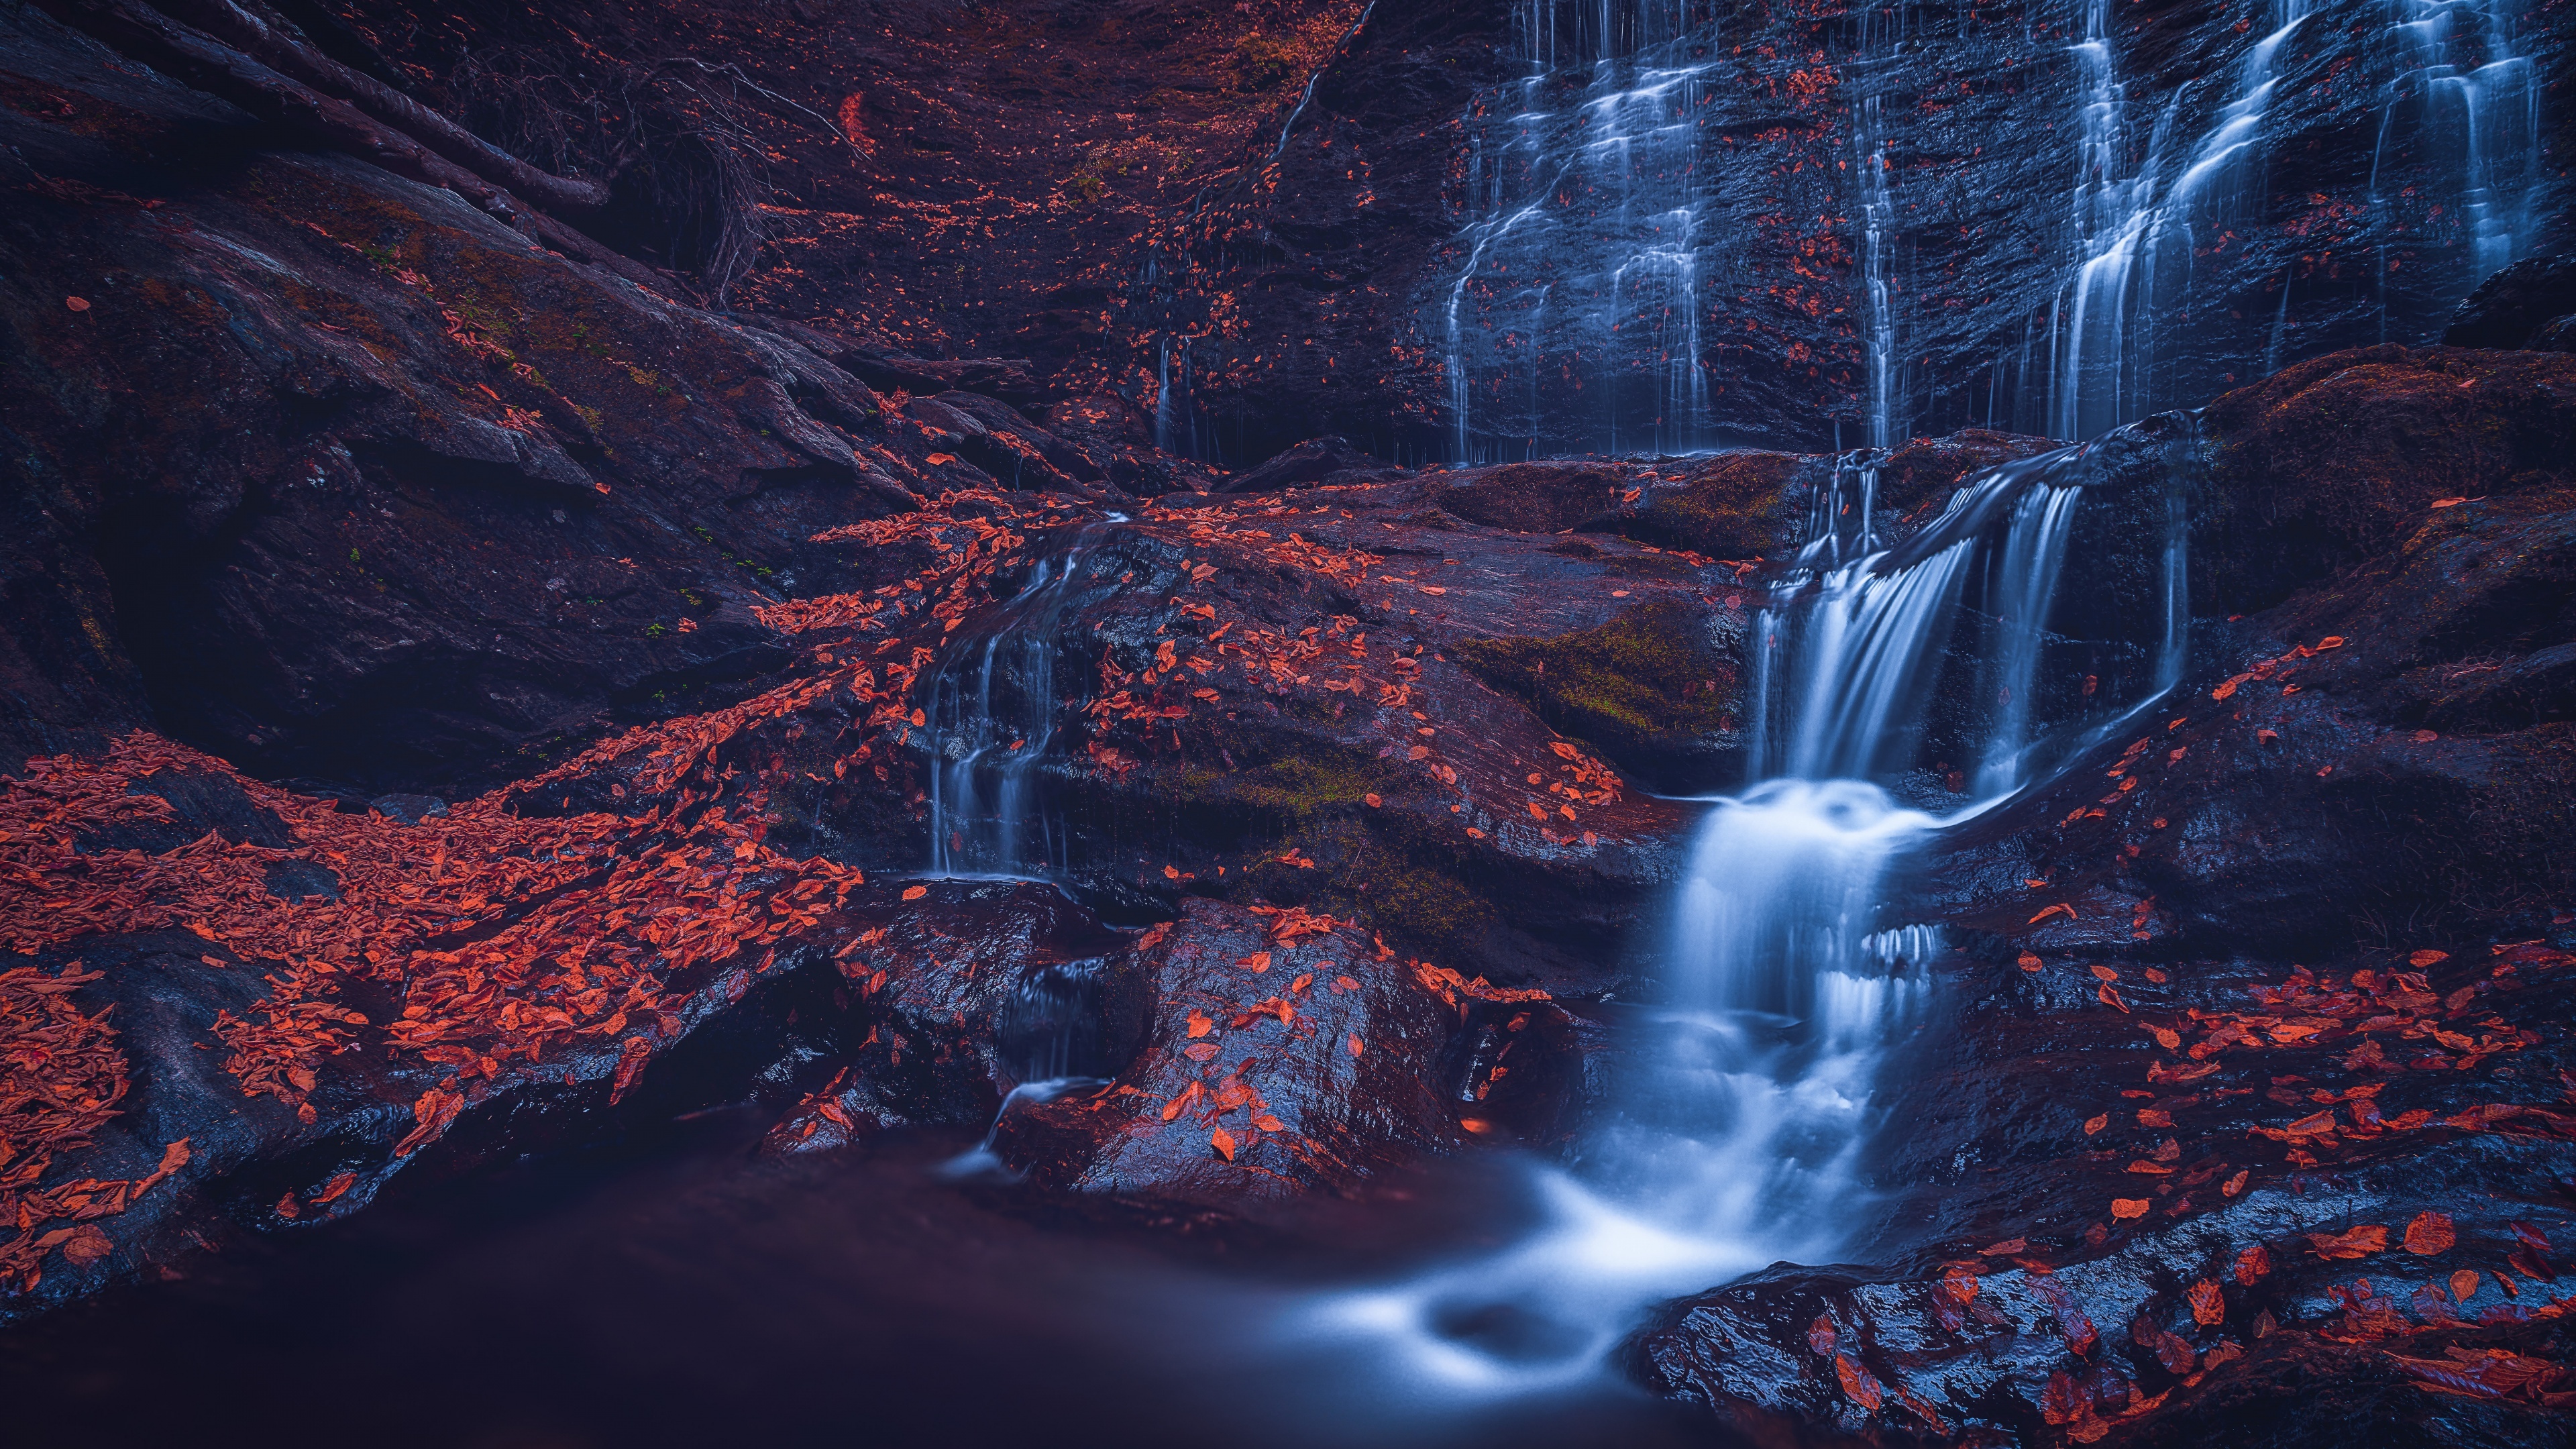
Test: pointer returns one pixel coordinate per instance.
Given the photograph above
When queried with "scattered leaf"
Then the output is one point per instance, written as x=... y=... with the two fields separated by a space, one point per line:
x=2124 y=1208
x=1821 y=1337
x=2252 y=1265
x=2464 y=1284
x=2096 y=1124
x=2429 y=1234
x=1857 y=1382
x=1223 y=1142
x=2208 y=1306
x=914 y=893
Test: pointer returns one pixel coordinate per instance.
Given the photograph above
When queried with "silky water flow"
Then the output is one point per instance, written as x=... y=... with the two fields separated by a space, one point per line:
x=1739 y=1134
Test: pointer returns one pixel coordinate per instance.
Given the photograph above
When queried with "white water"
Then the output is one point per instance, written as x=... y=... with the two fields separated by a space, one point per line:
x=992 y=715
x=1583 y=252
x=1756 y=1083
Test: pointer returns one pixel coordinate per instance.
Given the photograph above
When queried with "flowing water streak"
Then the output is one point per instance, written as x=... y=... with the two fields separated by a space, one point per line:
x=2465 y=99
x=1738 y=1141
x=2137 y=235
x=1878 y=233
x=992 y=714
x=1584 y=249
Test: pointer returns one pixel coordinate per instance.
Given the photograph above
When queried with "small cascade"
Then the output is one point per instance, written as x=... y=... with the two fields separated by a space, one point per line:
x=1048 y=1041
x=1752 y=1096
x=992 y=714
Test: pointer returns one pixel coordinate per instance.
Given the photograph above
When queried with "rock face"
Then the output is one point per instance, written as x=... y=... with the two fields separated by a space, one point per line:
x=2159 y=1178
x=485 y=678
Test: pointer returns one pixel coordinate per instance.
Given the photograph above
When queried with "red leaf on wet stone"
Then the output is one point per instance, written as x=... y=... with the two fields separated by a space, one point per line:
x=1223 y=1142
x=2464 y=1284
x=1858 y=1383
x=1356 y=1046
x=2252 y=1265
x=2064 y=1400
x=87 y=1244
x=2236 y=1184
x=2430 y=1233
x=2096 y=1124
x=1821 y=1336
x=2123 y=1208
x=332 y=1190
x=2208 y=1305
x=2358 y=1242
x=2005 y=1248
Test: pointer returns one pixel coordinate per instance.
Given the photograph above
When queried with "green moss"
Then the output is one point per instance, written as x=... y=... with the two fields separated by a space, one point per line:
x=1731 y=507
x=1643 y=675
x=1424 y=910
x=1298 y=787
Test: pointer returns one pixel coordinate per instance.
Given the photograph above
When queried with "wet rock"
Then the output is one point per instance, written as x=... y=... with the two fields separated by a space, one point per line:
x=2338 y=458
x=1529 y=497
x=409 y=809
x=1317 y=460
x=2516 y=305
x=1269 y=1068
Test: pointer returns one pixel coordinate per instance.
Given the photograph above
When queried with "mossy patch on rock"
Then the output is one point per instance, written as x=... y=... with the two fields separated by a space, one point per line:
x=1732 y=506
x=1649 y=687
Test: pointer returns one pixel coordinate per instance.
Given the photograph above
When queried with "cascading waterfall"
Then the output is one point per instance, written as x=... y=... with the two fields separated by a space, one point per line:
x=1574 y=320
x=1740 y=1139
x=2136 y=233
x=992 y=714
x=2465 y=112
x=2455 y=170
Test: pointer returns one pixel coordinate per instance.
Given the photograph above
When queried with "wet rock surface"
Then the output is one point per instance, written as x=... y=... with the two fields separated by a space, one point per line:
x=484 y=687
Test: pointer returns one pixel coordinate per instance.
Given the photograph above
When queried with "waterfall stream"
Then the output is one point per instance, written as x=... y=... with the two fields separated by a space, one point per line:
x=992 y=715
x=1755 y=1082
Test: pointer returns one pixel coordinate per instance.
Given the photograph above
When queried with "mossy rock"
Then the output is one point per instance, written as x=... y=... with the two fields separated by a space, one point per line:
x=2336 y=459
x=1649 y=688
x=1532 y=497
x=1734 y=506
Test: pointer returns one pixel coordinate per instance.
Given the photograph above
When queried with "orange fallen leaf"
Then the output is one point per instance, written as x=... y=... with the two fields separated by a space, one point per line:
x=2423 y=959
x=2464 y=1284
x=1373 y=800
x=1256 y=963
x=2155 y=1167
x=1223 y=1142
x=914 y=893
x=2096 y=1124
x=2448 y=502
x=2208 y=1305
x=2252 y=1265
x=2167 y=1038
x=1821 y=1337
x=77 y=304
x=2005 y=1248
x=2030 y=962
x=2106 y=973
x=2124 y=1208
x=2430 y=1233
x=1356 y=1046
x=2235 y=1184
x=1199 y=1023
x=1200 y=1051
x=1857 y=1382
x=2358 y=1242
x=940 y=460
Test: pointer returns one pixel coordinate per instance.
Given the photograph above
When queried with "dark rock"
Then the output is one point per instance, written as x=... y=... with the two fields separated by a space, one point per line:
x=1317 y=460
x=409 y=809
x=2512 y=308
x=1529 y=497
x=2339 y=458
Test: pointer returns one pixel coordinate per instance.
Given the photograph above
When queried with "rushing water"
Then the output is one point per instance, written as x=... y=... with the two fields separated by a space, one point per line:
x=1751 y=1100
x=992 y=715
x=1584 y=250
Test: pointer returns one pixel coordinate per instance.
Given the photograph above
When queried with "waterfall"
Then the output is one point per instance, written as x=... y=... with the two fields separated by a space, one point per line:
x=1752 y=1092
x=2135 y=233
x=1878 y=247
x=1574 y=320
x=2462 y=116
x=992 y=715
